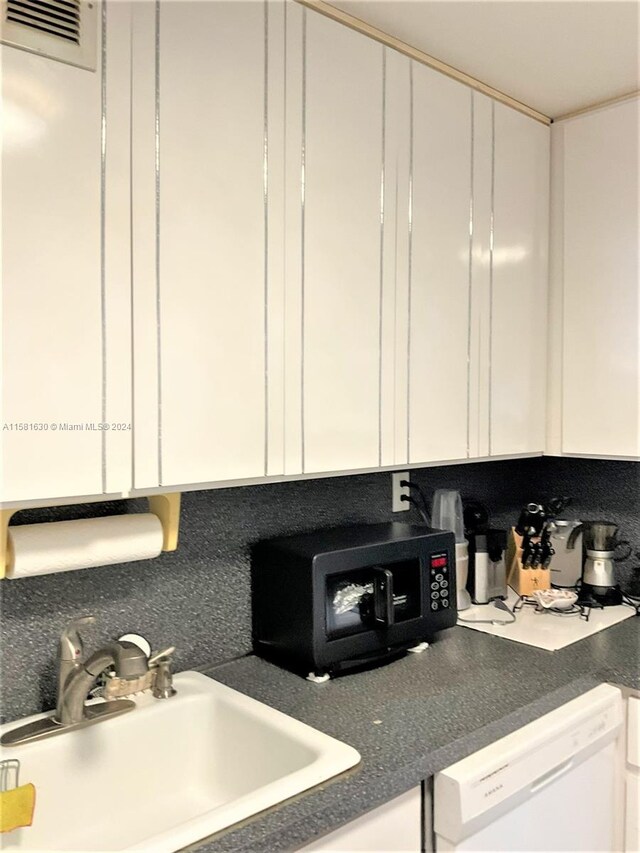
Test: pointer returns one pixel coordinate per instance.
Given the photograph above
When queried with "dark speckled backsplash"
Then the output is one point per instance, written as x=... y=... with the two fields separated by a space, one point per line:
x=198 y=597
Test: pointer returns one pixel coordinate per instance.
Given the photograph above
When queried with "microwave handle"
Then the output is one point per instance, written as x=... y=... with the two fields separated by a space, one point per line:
x=383 y=596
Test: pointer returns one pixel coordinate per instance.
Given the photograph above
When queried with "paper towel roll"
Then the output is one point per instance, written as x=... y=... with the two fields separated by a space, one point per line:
x=61 y=546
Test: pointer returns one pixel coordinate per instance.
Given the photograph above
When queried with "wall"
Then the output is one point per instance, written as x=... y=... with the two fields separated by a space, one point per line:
x=198 y=597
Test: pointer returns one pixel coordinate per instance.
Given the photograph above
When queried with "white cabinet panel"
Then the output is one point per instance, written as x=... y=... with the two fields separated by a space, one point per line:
x=633 y=731
x=632 y=777
x=211 y=265
x=275 y=236
x=553 y=445
x=440 y=256
x=143 y=250
x=342 y=143
x=118 y=445
x=601 y=346
x=632 y=817
x=519 y=283
x=66 y=273
x=480 y=334
x=395 y=261
x=52 y=316
x=396 y=826
x=293 y=221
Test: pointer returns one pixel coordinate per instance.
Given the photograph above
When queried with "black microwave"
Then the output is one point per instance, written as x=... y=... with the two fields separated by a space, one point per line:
x=332 y=600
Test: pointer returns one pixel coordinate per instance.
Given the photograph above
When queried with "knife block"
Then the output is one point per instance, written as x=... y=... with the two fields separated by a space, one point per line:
x=523 y=581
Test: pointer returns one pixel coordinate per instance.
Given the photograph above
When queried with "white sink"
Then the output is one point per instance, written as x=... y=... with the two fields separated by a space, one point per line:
x=169 y=773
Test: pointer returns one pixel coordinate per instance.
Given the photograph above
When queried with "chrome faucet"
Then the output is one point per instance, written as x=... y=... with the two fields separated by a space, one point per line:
x=70 y=654
x=76 y=678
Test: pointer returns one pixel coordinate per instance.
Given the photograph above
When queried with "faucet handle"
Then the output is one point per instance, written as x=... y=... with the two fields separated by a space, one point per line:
x=162 y=657
x=70 y=641
x=163 y=682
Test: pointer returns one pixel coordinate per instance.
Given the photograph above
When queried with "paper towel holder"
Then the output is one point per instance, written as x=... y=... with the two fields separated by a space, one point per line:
x=165 y=506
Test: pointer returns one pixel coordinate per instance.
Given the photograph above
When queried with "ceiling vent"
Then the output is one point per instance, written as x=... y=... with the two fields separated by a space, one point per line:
x=65 y=30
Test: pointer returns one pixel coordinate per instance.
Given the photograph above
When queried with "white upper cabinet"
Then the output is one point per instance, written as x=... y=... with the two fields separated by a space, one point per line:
x=519 y=272
x=200 y=198
x=481 y=276
x=277 y=247
x=396 y=224
x=479 y=174
x=342 y=141
x=596 y=284
x=440 y=267
x=66 y=272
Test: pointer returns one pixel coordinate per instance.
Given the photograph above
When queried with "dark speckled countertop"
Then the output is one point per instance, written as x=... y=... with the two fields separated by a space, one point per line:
x=435 y=708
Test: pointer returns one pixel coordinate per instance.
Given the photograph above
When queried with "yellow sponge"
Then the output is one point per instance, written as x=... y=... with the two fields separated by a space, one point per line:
x=16 y=807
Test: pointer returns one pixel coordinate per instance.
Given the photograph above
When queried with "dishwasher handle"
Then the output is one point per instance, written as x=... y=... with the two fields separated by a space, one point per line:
x=546 y=779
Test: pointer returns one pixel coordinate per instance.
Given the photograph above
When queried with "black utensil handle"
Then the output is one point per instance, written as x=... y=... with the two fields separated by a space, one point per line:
x=558 y=505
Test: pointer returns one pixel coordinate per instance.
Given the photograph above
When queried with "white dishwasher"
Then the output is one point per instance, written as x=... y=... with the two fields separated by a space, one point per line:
x=555 y=784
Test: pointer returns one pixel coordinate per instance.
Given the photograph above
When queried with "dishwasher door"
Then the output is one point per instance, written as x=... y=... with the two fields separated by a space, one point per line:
x=555 y=784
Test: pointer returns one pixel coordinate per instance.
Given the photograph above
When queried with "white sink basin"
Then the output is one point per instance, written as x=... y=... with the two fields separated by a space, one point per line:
x=169 y=773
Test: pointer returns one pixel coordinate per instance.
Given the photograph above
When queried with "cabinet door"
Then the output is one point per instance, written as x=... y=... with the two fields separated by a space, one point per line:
x=200 y=200
x=66 y=272
x=633 y=731
x=396 y=826
x=342 y=141
x=440 y=268
x=519 y=283
x=601 y=323
x=394 y=380
x=632 y=808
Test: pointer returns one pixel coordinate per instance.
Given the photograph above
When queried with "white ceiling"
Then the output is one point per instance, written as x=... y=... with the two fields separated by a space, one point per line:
x=554 y=55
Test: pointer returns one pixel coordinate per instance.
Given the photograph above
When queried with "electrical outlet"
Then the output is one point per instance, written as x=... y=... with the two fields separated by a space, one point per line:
x=397 y=491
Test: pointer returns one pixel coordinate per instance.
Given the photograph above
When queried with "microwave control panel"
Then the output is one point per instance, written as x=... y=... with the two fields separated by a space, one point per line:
x=439 y=588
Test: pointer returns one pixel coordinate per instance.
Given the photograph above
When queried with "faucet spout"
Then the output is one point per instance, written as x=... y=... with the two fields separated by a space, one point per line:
x=128 y=660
